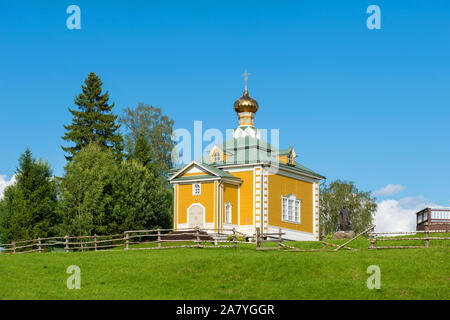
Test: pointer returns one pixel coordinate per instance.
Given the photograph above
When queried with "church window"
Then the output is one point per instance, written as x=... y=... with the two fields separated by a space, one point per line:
x=196 y=189
x=284 y=208
x=290 y=209
x=216 y=156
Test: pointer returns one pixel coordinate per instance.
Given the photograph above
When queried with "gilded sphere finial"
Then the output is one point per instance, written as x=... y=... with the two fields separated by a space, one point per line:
x=246 y=103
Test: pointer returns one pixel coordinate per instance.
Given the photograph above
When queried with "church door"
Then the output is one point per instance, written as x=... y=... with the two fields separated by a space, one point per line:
x=196 y=216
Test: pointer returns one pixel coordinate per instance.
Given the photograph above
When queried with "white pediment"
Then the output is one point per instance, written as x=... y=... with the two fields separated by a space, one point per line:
x=195 y=169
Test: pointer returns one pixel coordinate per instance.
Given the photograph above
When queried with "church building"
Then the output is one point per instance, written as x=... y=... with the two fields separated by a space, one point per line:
x=245 y=183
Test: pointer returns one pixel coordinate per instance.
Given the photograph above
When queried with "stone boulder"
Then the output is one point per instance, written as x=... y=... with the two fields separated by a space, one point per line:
x=343 y=235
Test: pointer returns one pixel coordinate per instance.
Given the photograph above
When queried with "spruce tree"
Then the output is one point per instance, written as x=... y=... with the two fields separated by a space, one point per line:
x=28 y=210
x=94 y=121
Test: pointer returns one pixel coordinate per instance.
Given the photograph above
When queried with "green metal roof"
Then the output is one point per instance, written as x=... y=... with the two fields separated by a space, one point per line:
x=200 y=177
x=245 y=150
x=218 y=171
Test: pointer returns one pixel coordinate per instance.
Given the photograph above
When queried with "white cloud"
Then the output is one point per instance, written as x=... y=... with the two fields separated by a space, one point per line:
x=389 y=190
x=4 y=183
x=399 y=215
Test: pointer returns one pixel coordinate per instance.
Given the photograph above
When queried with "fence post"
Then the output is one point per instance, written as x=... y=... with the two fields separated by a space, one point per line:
x=95 y=241
x=324 y=244
x=427 y=235
x=159 y=239
x=198 y=237
x=372 y=240
x=234 y=239
x=127 y=241
x=258 y=238
x=280 y=239
x=14 y=246
x=66 y=243
x=39 y=245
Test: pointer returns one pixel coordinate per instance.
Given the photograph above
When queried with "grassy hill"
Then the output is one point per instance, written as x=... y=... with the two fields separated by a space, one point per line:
x=225 y=273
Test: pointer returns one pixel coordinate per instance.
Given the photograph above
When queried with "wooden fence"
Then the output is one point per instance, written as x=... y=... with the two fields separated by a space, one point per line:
x=130 y=240
x=197 y=238
x=374 y=238
x=268 y=237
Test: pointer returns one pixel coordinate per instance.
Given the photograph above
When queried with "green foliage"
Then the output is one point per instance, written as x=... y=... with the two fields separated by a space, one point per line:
x=238 y=238
x=28 y=209
x=148 y=124
x=141 y=152
x=100 y=196
x=336 y=195
x=86 y=192
x=93 y=122
x=141 y=200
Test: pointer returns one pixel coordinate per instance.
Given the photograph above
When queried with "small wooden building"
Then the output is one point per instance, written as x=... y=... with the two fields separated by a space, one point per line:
x=437 y=218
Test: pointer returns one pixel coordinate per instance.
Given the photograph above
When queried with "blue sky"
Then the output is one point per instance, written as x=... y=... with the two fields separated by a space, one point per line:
x=370 y=106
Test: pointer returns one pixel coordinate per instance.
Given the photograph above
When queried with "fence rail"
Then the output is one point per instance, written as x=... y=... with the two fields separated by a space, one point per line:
x=374 y=238
x=198 y=238
x=186 y=237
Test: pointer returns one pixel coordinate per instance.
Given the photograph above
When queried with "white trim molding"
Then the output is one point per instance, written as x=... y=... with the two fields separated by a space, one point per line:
x=290 y=234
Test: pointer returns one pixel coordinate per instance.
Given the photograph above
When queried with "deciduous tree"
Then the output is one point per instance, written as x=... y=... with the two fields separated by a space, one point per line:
x=147 y=124
x=141 y=200
x=336 y=195
x=86 y=192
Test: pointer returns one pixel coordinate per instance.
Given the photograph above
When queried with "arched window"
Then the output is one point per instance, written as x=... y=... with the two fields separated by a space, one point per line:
x=228 y=212
x=216 y=156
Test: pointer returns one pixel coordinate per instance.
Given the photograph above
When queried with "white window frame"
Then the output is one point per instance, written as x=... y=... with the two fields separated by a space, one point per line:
x=228 y=212
x=291 y=209
x=284 y=202
x=216 y=156
x=196 y=192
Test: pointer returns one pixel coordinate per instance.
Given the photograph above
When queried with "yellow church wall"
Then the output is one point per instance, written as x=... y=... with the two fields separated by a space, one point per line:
x=246 y=197
x=194 y=174
x=284 y=159
x=283 y=186
x=230 y=194
x=175 y=204
x=206 y=199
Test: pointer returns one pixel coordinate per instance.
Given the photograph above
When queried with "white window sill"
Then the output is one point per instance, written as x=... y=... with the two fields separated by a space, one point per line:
x=293 y=222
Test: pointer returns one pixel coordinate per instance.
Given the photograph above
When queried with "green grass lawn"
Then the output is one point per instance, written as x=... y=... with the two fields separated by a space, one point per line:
x=225 y=273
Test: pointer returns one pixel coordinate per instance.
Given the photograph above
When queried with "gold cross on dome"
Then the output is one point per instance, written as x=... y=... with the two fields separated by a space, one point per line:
x=246 y=74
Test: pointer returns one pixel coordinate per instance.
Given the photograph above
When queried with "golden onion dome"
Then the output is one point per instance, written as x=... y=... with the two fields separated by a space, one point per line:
x=246 y=103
